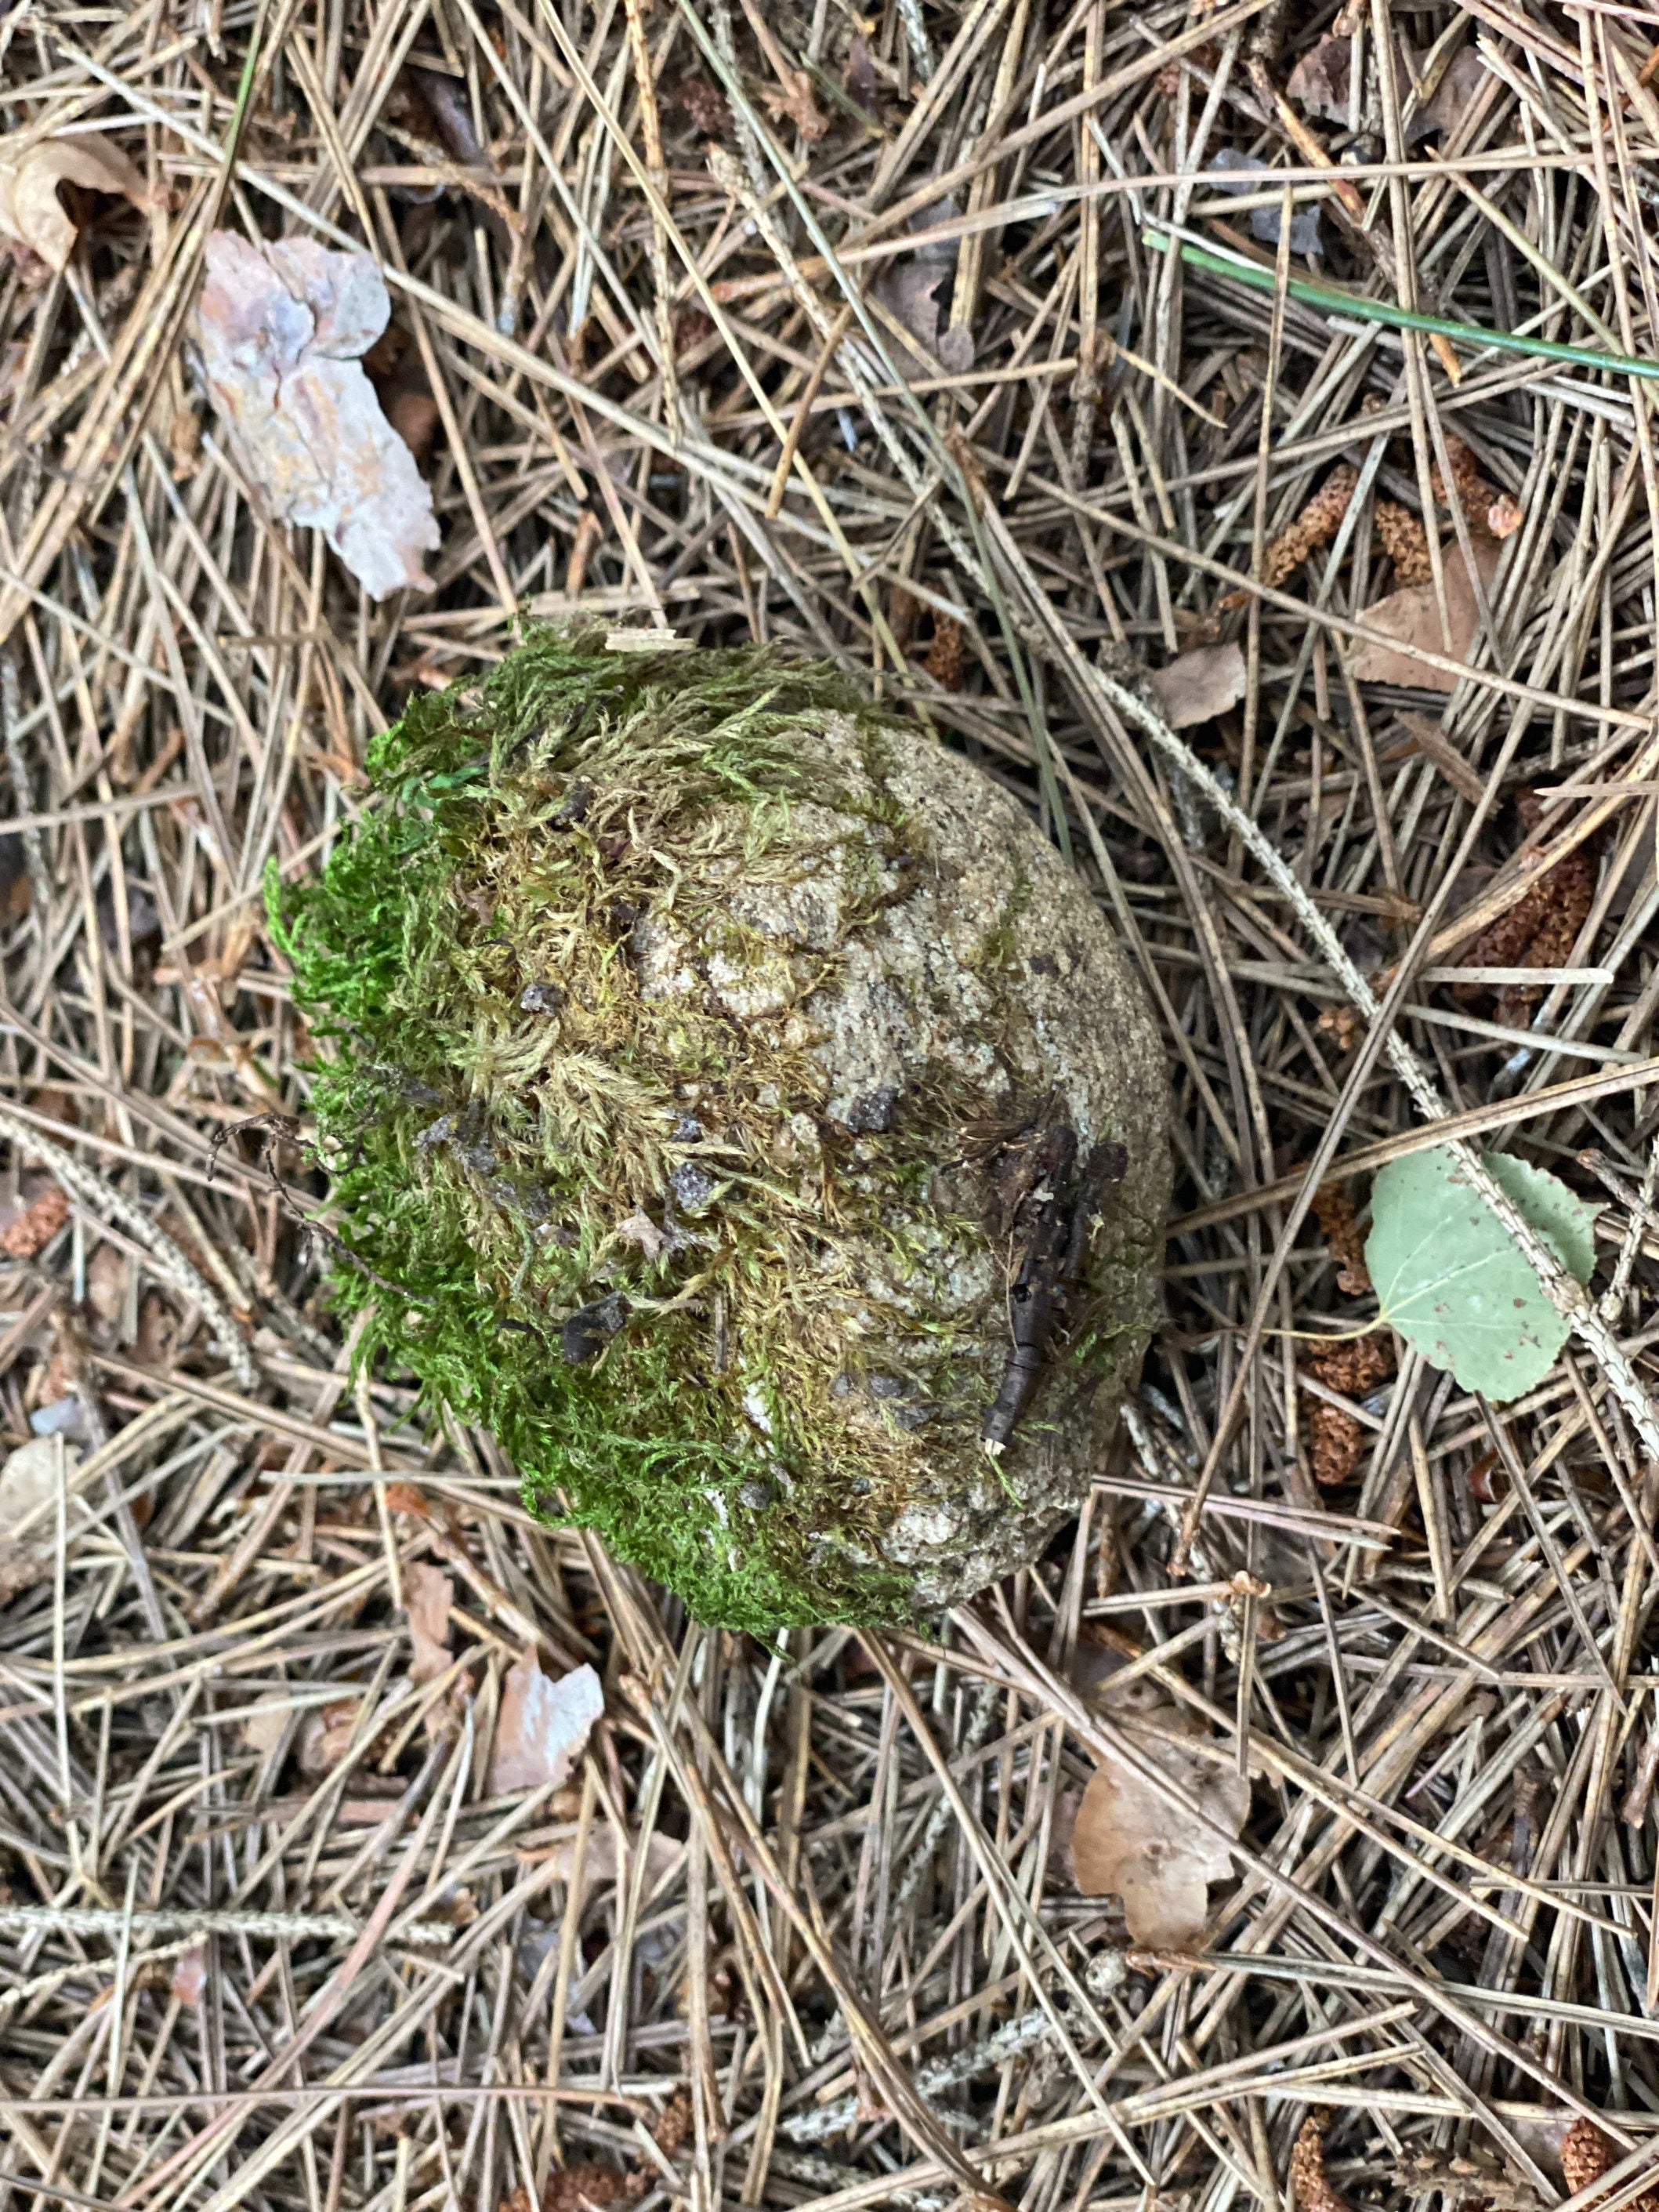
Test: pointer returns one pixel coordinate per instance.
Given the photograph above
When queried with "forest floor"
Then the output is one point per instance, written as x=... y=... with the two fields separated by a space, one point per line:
x=989 y=350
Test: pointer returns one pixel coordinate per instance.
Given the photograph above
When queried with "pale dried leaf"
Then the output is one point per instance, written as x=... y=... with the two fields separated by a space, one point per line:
x=1505 y=515
x=1131 y=1842
x=1465 y=74
x=1319 y=83
x=190 y=1975
x=30 y=210
x=794 y=99
x=325 y=1735
x=428 y=1596
x=1265 y=221
x=281 y=327
x=263 y=1723
x=543 y=1726
x=909 y=293
x=107 y=1283
x=639 y=1229
x=1413 y=616
x=28 y=1492
x=1200 y=684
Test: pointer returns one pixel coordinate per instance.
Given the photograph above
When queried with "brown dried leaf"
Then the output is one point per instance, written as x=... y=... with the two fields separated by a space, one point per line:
x=1342 y=1025
x=185 y=443
x=1320 y=82
x=909 y=293
x=1131 y=1842
x=794 y=99
x=428 y=1596
x=1444 y=109
x=601 y=1865
x=283 y=326
x=1322 y=85
x=108 y=1272
x=590 y=536
x=903 y=613
x=415 y=416
x=1413 y=618
x=31 y=212
x=859 y=79
x=1197 y=686
x=325 y=1735
x=542 y=1725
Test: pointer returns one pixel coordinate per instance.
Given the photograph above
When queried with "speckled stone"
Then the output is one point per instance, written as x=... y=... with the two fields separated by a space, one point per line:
x=1057 y=1017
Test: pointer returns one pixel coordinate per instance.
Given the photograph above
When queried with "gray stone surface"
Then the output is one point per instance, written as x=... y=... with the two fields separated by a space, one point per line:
x=991 y=967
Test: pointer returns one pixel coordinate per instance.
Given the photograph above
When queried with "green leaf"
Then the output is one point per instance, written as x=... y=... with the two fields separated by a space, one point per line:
x=1450 y=1278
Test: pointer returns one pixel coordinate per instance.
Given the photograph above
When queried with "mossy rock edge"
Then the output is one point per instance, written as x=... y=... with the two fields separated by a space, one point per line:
x=686 y=1025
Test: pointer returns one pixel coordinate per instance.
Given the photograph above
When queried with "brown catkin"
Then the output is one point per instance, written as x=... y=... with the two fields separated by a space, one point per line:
x=33 y=1230
x=1539 y=931
x=1356 y=1368
x=1309 y=2184
x=1474 y=494
x=1334 y=1209
x=1335 y=1441
x=1586 y=2155
x=944 y=655
x=1406 y=542
x=1317 y=524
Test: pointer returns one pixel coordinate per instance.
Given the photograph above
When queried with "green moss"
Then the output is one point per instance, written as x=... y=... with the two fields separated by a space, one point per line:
x=525 y=1114
x=1000 y=946
x=506 y=1166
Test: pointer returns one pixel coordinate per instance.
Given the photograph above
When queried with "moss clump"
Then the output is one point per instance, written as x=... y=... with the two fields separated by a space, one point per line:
x=664 y=1154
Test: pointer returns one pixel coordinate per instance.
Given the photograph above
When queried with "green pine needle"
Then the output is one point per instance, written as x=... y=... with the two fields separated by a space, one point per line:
x=1331 y=300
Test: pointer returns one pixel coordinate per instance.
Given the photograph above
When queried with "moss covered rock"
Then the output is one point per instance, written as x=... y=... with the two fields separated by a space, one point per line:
x=734 y=1103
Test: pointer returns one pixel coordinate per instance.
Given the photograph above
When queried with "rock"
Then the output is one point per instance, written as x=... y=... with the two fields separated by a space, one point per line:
x=835 y=1014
